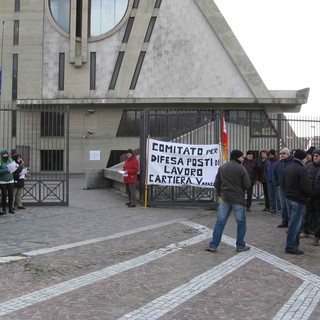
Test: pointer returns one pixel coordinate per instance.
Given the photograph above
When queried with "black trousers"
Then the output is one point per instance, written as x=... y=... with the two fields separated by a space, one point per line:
x=265 y=194
x=249 y=197
x=6 y=191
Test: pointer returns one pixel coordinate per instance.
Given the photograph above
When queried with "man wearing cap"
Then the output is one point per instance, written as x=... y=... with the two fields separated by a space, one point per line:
x=298 y=189
x=309 y=153
x=278 y=173
x=231 y=183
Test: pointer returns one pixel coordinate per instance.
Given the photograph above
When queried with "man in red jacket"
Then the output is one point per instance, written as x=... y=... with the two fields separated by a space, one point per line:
x=131 y=168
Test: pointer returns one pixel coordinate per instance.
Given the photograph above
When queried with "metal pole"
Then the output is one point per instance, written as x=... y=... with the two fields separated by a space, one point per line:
x=1 y=63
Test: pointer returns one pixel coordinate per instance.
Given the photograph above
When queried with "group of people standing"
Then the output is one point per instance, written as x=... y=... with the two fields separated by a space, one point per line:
x=291 y=186
x=11 y=181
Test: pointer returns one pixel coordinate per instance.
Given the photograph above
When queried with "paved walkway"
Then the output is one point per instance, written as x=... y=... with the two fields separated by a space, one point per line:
x=98 y=259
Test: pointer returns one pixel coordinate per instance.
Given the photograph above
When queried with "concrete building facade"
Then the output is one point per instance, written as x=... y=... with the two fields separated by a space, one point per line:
x=109 y=59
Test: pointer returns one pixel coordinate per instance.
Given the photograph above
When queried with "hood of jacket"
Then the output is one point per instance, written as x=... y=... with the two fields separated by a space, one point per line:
x=2 y=151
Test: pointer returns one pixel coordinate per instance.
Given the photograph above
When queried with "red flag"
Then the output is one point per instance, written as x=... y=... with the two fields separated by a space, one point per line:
x=224 y=140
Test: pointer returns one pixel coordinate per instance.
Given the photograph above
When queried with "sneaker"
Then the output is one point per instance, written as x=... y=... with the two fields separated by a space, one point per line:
x=245 y=248
x=316 y=242
x=303 y=235
x=283 y=225
x=22 y=207
x=265 y=209
x=248 y=209
x=213 y=250
x=131 y=206
x=127 y=203
x=293 y=251
x=272 y=212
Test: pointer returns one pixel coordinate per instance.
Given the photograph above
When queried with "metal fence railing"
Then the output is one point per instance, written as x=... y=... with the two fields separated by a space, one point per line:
x=246 y=129
x=40 y=134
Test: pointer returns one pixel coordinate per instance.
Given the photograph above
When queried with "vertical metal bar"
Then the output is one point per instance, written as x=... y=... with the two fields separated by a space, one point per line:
x=1 y=70
x=67 y=124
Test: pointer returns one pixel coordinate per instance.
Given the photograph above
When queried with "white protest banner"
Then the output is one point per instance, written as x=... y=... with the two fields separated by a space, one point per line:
x=176 y=164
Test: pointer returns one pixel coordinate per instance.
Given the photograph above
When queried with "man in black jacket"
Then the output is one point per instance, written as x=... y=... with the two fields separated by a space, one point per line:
x=297 y=189
x=231 y=183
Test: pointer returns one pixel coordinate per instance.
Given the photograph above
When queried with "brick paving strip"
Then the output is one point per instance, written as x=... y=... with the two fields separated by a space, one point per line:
x=177 y=296
x=77 y=283
x=86 y=242
x=300 y=306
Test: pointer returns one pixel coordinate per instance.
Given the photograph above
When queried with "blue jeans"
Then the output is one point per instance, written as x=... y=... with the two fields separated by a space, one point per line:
x=273 y=197
x=224 y=211
x=296 y=213
x=284 y=209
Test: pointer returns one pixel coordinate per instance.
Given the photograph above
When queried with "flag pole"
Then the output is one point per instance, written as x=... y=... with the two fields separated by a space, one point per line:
x=1 y=62
x=146 y=178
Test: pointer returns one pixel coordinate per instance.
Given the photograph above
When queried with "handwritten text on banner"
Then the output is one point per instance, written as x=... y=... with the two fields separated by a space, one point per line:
x=176 y=164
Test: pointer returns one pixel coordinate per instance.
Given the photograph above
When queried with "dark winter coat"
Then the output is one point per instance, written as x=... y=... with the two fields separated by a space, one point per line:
x=278 y=172
x=269 y=167
x=232 y=181
x=298 y=186
x=18 y=183
x=312 y=171
x=131 y=165
x=261 y=174
x=252 y=168
x=317 y=182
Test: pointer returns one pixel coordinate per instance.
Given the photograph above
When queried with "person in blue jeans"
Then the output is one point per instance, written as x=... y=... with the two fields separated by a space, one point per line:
x=231 y=183
x=270 y=164
x=298 y=188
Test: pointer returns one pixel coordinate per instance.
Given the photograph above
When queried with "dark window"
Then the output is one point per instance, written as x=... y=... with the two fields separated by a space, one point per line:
x=150 y=28
x=137 y=70
x=17 y=5
x=116 y=71
x=14 y=124
x=52 y=124
x=15 y=77
x=92 y=71
x=115 y=157
x=51 y=160
x=259 y=123
x=128 y=30
x=16 y=32
x=61 y=72
x=79 y=18
x=130 y=124
x=135 y=4
x=157 y=4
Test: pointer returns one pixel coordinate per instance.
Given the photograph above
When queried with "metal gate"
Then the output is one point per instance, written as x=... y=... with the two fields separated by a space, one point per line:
x=246 y=129
x=40 y=133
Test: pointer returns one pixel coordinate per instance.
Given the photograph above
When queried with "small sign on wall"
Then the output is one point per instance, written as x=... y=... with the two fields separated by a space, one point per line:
x=95 y=155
